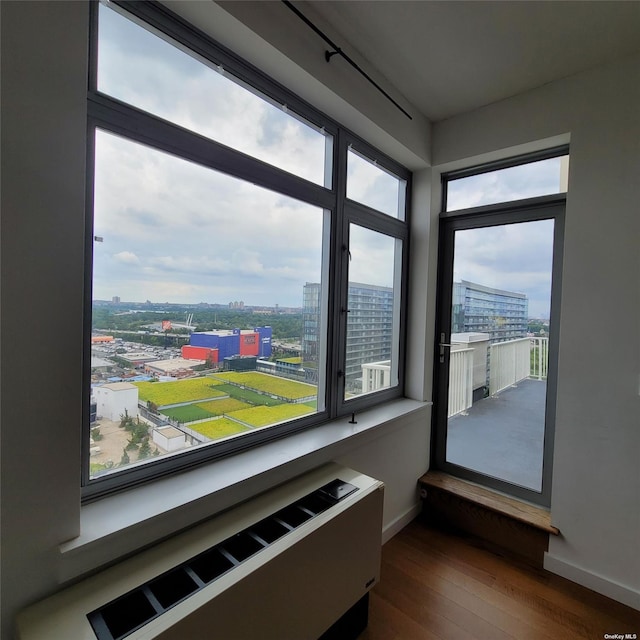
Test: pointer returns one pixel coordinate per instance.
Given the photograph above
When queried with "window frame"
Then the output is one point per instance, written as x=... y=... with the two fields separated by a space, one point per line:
x=497 y=165
x=131 y=123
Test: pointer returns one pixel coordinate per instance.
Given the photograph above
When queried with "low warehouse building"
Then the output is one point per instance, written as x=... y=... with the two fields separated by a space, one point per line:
x=112 y=400
x=175 y=367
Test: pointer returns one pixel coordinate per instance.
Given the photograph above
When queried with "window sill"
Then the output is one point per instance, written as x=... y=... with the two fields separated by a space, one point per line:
x=123 y=523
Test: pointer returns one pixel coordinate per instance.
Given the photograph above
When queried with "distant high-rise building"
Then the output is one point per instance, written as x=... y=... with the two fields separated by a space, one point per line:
x=369 y=328
x=115 y=300
x=310 y=322
x=504 y=315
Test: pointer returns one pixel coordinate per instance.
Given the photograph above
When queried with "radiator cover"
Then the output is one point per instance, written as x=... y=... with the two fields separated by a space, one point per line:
x=239 y=575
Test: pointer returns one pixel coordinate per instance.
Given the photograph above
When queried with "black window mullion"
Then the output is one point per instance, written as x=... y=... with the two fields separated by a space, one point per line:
x=364 y=216
x=505 y=163
x=92 y=79
x=514 y=205
x=338 y=320
x=134 y=124
x=87 y=308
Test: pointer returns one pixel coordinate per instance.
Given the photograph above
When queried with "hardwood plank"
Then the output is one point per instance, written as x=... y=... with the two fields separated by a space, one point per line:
x=435 y=585
x=451 y=617
x=507 y=612
x=518 y=580
x=421 y=610
x=516 y=509
x=387 y=622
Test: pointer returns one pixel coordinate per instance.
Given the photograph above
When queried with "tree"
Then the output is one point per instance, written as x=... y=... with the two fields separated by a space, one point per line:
x=125 y=458
x=139 y=431
x=145 y=449
x=125 y=420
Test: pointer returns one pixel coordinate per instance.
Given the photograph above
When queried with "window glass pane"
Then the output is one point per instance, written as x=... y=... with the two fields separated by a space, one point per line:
x=541 y=178
x=372 y=322
x=148 y=72
x=499 y=350
x=373 y=186
x=197 y=305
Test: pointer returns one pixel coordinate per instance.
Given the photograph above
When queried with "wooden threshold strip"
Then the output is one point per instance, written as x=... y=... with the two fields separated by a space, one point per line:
x=524 y=512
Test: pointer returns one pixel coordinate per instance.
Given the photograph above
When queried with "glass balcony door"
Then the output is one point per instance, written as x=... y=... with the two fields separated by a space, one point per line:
x=495 y=388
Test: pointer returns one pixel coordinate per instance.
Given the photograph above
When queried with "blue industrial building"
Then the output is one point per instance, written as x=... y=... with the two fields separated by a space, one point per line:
x=235 y=342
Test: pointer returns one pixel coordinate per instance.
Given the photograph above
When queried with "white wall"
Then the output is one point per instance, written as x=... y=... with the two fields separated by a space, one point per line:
x=596 y=475
x=44 y=53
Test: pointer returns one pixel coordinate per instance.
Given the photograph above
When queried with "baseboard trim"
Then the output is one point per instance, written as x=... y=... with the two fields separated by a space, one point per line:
x=399 y=523
x=592 y=581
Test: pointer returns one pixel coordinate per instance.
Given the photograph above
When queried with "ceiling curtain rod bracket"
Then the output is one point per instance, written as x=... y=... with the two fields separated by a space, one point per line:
x=329 y=54
x=337 y=50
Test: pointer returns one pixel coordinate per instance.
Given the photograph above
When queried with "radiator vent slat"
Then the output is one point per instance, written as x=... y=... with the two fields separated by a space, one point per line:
x=270 y=529
x=210 y=565
x=126 y=614
x=242 y=546
x=121 y=617
x=173 y=587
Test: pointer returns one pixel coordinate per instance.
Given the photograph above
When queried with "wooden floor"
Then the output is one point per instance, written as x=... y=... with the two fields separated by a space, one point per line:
x=443 y=586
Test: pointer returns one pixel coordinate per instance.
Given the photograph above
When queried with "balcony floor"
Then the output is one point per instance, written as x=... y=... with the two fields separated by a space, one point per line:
x=503 y=435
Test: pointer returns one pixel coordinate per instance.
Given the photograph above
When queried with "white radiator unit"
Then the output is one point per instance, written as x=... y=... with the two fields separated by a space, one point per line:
x=285 y=565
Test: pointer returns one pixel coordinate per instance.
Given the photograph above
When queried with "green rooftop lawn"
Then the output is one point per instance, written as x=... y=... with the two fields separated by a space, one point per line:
x=269 y=384
x=224 y=405
x=164 y=393
x=248 y=396
x=188 y=413
x=263 y=416
x=220 y=428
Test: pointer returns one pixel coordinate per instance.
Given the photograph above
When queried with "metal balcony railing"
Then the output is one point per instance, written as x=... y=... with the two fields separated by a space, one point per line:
x=509 y=363
x=460 y=381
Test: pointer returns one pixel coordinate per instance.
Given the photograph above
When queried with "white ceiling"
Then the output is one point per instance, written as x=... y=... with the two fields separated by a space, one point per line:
x=448 y=57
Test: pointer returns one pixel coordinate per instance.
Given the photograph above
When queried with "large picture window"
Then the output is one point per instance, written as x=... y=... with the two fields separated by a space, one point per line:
x=235 y=293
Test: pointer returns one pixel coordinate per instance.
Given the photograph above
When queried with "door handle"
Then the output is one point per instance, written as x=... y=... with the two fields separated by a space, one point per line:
x=442 y=345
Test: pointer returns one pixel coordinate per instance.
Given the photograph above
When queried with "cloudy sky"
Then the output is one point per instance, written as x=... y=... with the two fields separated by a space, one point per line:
x=174 y=231
x=513 y=257
x=524 y=181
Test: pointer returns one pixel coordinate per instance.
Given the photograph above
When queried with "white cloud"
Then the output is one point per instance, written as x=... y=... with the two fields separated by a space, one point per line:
x=372 y=186
x=126 y=257
x=513 y=183
x=372 y=257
